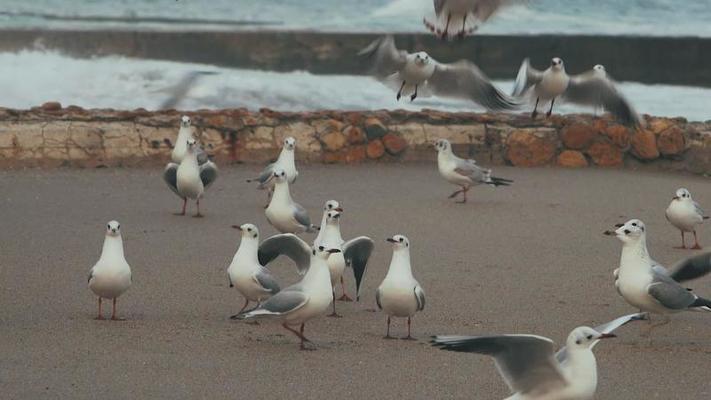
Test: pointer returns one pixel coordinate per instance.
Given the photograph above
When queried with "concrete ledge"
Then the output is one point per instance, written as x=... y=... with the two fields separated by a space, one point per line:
x=51 y=136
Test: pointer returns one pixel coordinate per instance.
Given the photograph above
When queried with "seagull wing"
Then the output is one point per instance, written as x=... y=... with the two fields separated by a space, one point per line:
x=463 y=79
x=527 y=77
x=208 y=173
x=289 y=245
x=284 y=302
x=170 y=176
x=692 y=267
x=669 y=293
x=526 y=362
x=420 y=297
x=386 y=58
x=484 y=9
x=594 y=90
x=266 y=281
x=265 y=176
x=357 y=252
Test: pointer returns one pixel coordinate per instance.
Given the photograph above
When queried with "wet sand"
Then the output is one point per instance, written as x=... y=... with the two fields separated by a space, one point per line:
x=526 y=259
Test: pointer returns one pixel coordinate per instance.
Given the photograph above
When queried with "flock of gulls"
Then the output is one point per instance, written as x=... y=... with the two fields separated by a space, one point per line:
x=531 y=365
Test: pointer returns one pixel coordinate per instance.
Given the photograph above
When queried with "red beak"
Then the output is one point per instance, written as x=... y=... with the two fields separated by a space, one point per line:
x=607 y=336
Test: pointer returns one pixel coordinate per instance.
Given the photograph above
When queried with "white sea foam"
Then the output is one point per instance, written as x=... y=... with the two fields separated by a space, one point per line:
x=31 y=78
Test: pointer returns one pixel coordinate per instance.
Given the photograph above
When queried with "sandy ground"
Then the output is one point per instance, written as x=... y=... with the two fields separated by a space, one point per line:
x=526 y=259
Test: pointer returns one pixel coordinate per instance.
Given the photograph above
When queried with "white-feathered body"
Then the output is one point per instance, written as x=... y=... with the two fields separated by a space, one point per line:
x=280 y=211
x=181 y=147
x=397 y=291
x=317 y=284
x=683 y=214
x=188 y=179
x=111 y=275
x=553 y=84
x=243 y=269
x=330 y=238
x=447 y=164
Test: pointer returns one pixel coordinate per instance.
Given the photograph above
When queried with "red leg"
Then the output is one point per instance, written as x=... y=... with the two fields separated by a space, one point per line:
x=246 y=303
x=697 y=246
x=464 y=193
x=453 y=195
x=334 y=313
x=409 y=336
x=387 y=333
x=345 y=296
x=198 y=215
x=113 y=310
x=299 y=334
x=683 y=244
x=185 y=204
x=100 y=316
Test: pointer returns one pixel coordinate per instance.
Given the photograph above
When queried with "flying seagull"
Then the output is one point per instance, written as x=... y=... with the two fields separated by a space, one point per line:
x=465 y=14
x=590 y=89
x=418 y=73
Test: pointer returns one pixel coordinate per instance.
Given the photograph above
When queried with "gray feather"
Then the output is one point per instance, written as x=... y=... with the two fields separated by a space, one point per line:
x=208 y=174
x=170 y=176
x=692 y=267
x=289 y=245
x=357 y=253
x=670 y=293
x=267 y=281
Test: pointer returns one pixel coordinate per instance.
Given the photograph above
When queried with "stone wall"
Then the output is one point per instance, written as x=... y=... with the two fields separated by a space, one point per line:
x=50 y=136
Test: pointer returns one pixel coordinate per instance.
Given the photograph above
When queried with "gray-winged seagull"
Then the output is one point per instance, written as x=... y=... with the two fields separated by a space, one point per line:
x=283 y=212
x=189 y=179
x=456 y=12
x=684 y=213
x=110 y=277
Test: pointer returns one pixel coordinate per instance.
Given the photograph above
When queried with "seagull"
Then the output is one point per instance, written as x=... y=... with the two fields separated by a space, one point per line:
x=252 y=280
x=282 y=212
x=185 y=133
x=178 y=92
x=303 y=301
x=461 y=172
x=111 y=275
x=479 y=11
x=354 y=253
x=189 y=179
x=417 y=71
x=684 y=213
x=531 y=367
x=285 y=162
x=400 y=295
x=644 y=287
x=590 y=88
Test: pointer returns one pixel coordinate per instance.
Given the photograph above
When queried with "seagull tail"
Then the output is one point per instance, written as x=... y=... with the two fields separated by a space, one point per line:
x=496 y=181
x=706 y=217
x=701 y=304
x=254 y=313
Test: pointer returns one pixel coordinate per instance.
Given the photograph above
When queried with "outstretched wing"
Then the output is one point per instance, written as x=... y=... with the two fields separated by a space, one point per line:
x=289 y=245
x=386 y=58
x=692 y=267
x=356 y=253
x=527 y=76
x=599 y=91
x=170 y=176
x=208 y=173
x=465 y=80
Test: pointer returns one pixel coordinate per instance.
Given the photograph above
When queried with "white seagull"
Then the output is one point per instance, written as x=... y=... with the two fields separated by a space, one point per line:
x=185 y=133
x=305 y=300
x=456 y=12
x=252 y=280
x=644 y=287
x=354 y=253
x=418 y=73
x=591 y=89
x=531 y=367
x=189 y=179
x=284 y=162
x=684 y=213
x=282 y=212
x=400 y=295
x=461 y=172
x=110 y=277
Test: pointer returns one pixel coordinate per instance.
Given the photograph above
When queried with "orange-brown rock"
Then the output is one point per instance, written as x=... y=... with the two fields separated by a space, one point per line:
x=644 y=145
x=394 y=144
x=671 y=142
x=605 y=154
x=659 y=125
x=355 y=135
x=374 y=128
x=619 y=135
x=51 y=106
x=332 y=157
x=572 y=159
x=375 y=149
x=526 y=149
x=334 y=141
x=355 y=154
x=578 y=136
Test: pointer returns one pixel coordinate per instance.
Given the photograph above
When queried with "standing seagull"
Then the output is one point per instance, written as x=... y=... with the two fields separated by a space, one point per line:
x=417 y=71
x=354 y=253
x=684 y=213
x=590 y=89
x=285 y=162
x=450 y=12
x=189 y=179
x=282 y=212
x=400 y=295
x=111 y=275
x=185 y=133
x=464 y=173
x=530 y=366
x=303 y=301
x=252 y=280
x=645 y=287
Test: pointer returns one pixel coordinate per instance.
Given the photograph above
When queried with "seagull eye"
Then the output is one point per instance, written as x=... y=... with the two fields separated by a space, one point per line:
x=320 y=248
x=577 y=342
x=634 y=224
x=589 y=337
x=401 y=240
x=108 y=226
x=627 y=232
x=249 y=229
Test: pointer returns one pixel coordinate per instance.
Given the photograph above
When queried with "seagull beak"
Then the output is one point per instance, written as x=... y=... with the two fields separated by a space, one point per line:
x=675 y=198
x=607 y=336
x=331 y=251
x=339 y=209
x=391 y=240
x=609 y=233
x=239 y=227
x=619 y=225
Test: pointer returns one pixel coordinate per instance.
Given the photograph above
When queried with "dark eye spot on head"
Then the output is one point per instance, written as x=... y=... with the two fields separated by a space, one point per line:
x=400 y=239
x=641 y=228
x=313 y=252
x=254 y=236
x=627 y=232
x=589 y=337
x=249 y=229
x=634 y=224
x=320 y=248
x=577 y=342
x=109 y=226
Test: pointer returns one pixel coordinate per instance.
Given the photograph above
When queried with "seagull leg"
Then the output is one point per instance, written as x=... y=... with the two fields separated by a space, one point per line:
x=113 y=312
x=387 y=333
x=414 y=95
x=464 y=193
x=463 y=32
x=185 y=204
x=409 y=336
x=697 y=246
x=453 y=195
x=100 y=316
x=535 y=109
x=683 y=244
x=445 y=33
x=399 y=92
x=198 y=215
x=550 y=110
x=246 y=303
x=334 y=313
x=300 y=335
x=345 y=296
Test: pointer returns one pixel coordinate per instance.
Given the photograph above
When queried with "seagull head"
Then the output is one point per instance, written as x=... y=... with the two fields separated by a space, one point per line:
x=323 y=252
x=192 y=144
x=442 y=145
x=682 y=194
x=421 y=58
x=556 y=63
x=399 y=242
x=584 y=337
x=333 y=216
x=113 y=228
x=248 y=230
x=599 y=70
x=332 y=205
x=279 y=175
x=629 y=232
x=185 y=121
x=289 y=143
